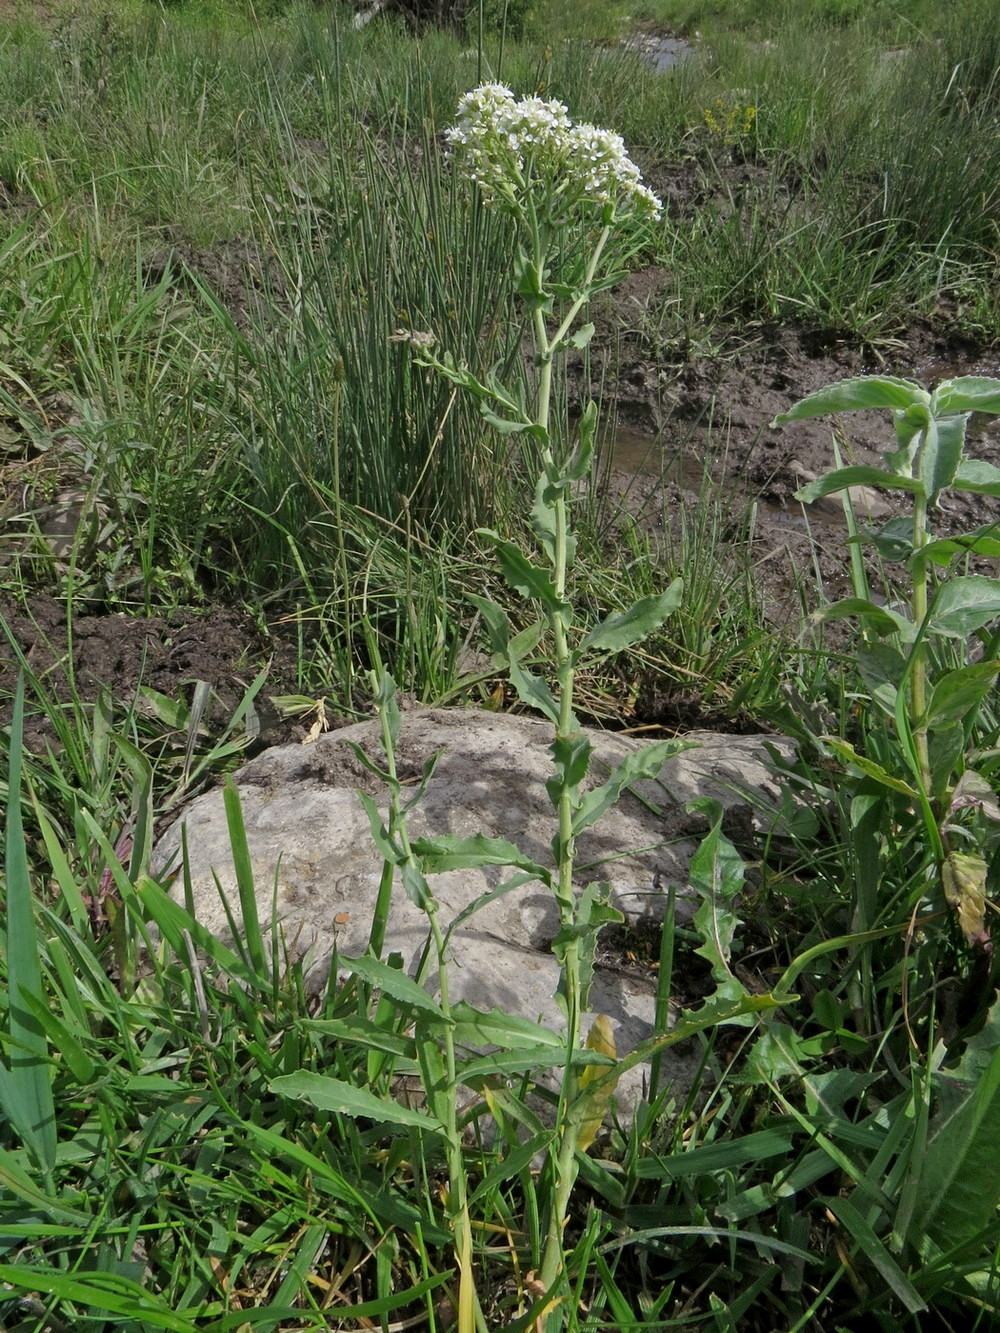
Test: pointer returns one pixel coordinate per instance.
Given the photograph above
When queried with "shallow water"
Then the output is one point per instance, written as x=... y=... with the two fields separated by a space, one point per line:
x=663 y=53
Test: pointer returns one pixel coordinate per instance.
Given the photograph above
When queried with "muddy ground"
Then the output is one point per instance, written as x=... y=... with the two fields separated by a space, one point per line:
x=711 y=418
x=681 y=416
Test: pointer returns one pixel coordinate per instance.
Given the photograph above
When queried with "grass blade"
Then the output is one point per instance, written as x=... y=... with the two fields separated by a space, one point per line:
x=25 y=1088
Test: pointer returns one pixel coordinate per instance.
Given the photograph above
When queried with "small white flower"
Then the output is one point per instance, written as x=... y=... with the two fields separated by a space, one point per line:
x=510 y=147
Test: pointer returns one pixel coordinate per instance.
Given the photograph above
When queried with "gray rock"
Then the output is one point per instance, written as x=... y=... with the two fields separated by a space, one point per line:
x=314 y=861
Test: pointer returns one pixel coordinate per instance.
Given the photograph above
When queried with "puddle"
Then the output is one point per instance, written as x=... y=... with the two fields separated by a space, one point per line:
x=642 y=455
x=663 y=53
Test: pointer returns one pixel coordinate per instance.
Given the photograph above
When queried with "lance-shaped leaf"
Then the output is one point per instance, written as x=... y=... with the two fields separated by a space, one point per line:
x=593 y=912
x=502 y=424
x=395 y=982
x=958 y=692
x=582 y=458
x=977 y=476
x=963 y=878
x=845 y=477
x=543 y=517
x=26 y=1088
x=494 y=1027
x=882 y=668
x=385 y=844
x=642 y=764
x=415 y=883
x=963 y=605
x=493 y=895
x=333 y=1094
x=847 y=754
x=633 y=625
x=960 y=1170
x=571 y=758
x=854 y=395
x=522 y=1059
x=941 y=454
x=908 y=428
x=981 y=541
x=967 y=393
x=446 y=852
x=594 y=1099
x=716 y=873
x=532 y=690
x=880 y=618
x=496 y=622
x=531 y=581
x=893 y=541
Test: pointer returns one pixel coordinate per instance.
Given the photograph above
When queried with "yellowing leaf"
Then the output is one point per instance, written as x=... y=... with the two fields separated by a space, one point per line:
x=595 y=1103
x=964 y=880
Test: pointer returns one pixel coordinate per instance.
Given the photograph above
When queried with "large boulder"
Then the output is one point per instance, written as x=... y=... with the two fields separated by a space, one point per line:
x=317 y=871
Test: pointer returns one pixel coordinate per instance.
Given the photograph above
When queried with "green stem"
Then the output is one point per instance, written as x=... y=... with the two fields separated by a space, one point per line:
x=445 y=1106
x=564 y=1164
x=443 y=1101
x=918 y=669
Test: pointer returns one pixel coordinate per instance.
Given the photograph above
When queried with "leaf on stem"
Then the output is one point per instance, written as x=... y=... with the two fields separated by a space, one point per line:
x=529 y=580
x=960 y=692
x=494 y=1027
x=633 y=625
x=879 y=618
x=967 y=393
x=395 y=982
x=533 y=691
x=333 y=1094
x=977 y=476
x=941 y=455
x=641 y=765
x=448 y=852
x=893 y=541
x=593 y=911
x=582 y=458
x=842 y=479
x=571 y=759
x=847 y=754
x=594 y=1101
x=716 y=873
x=963 y=877
x=963 y=605
x=852 y=395
x=981 y=541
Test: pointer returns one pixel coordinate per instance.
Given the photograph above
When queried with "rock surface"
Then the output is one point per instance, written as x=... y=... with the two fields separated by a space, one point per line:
x=313 y=857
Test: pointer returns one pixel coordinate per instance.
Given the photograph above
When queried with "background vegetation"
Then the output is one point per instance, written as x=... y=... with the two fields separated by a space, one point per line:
x=213 y=220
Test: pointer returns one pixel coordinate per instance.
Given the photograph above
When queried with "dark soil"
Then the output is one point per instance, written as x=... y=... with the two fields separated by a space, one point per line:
x=680 y=422
x=124 y=653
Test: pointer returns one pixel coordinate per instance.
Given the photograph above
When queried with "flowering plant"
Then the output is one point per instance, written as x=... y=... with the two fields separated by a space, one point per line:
x=567 y=187
x=529 y=153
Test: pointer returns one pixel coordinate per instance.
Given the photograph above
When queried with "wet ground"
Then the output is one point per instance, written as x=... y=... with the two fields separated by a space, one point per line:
x=708 y=421
x=687 y=428
x=690 y=424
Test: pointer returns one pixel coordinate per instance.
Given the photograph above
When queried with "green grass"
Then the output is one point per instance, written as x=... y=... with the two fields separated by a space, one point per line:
x=213 y=224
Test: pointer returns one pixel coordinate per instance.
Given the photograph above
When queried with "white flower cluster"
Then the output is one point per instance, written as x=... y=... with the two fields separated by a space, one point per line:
x=510 y=146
